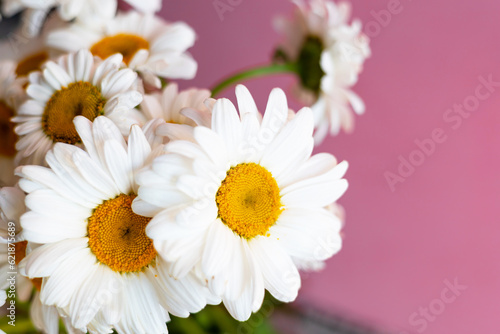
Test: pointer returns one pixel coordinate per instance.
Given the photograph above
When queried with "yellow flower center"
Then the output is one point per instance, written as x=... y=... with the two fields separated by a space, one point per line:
x=249 y=200
x=126 y=44
x=8 y=137
x=117 y=236
x=79 y=98
x=31 y=63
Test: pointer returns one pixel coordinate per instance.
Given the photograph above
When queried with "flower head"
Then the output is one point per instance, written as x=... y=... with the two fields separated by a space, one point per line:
x=89 y=11
x=329 y=53
x=180 y=111
x=99 y=267
x=243 y=200
x=154 y=48
x=77 y=84
x=9 y=101
x=45 y=318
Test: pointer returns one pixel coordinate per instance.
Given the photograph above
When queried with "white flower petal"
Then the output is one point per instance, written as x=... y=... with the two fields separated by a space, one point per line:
x=281 y=277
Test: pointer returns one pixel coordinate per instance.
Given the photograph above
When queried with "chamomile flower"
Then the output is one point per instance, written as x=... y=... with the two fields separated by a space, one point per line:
x=242 y=200
x=99 y=267
x=329 y=53
x=29 y=53
x=45 y=318
x=180 y=111
x=9 y=100
x=77 y=84
x=88 y=11
x=154 y=48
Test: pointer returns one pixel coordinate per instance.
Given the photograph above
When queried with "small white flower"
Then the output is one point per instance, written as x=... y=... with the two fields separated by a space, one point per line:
x=329 y=53
x=99 y=267
x=154 y=48
x=77 y=84
x=180 y=111
x=243 y=200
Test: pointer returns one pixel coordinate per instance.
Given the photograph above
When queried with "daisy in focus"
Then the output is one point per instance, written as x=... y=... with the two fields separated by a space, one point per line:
x=149 y=45
x=77 y=84
x=179 y=110
x=99 y=267
x=244 y=202
x=329 y=53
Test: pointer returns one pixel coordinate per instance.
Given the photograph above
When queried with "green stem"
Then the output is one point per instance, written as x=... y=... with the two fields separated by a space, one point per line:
x=254 y=73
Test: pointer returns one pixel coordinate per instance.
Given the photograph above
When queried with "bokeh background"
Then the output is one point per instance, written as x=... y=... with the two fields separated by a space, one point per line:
x=443 y=222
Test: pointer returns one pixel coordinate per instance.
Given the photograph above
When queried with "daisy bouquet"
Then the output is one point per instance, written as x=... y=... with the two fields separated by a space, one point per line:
x=128 y=205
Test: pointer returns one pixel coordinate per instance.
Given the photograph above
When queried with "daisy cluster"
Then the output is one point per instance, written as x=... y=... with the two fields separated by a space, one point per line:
x=125 y=200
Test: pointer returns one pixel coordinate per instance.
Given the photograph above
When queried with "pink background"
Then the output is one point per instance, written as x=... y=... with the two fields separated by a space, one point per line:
x=443 y=221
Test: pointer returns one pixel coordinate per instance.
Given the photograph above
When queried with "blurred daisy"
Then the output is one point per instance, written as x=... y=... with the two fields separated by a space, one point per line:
x=45 y=318
x=8 y=103
x=89 y=11
x=29 y=53
x=154 y=48
x=97 y=263
x=329 y=53
x=180 y=111
x=77 y=84
x=243 y=200
x=11 y=208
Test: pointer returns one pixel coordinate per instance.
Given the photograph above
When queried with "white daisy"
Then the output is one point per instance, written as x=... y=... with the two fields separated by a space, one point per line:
x=98 y=265
x=77 y=84
x=29 y=53
x=243 y=200
x=329 y=53
x=9 y=101
x=149 y=45
x=45 y=318
x=180 y=111
x=89 y=11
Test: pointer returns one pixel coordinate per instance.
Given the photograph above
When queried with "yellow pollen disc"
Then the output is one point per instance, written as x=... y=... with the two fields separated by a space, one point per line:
x=249 y=200
x=79 y=98
x=8 y=137
x=31 y=63
x=117 y=236
x=126 y=44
